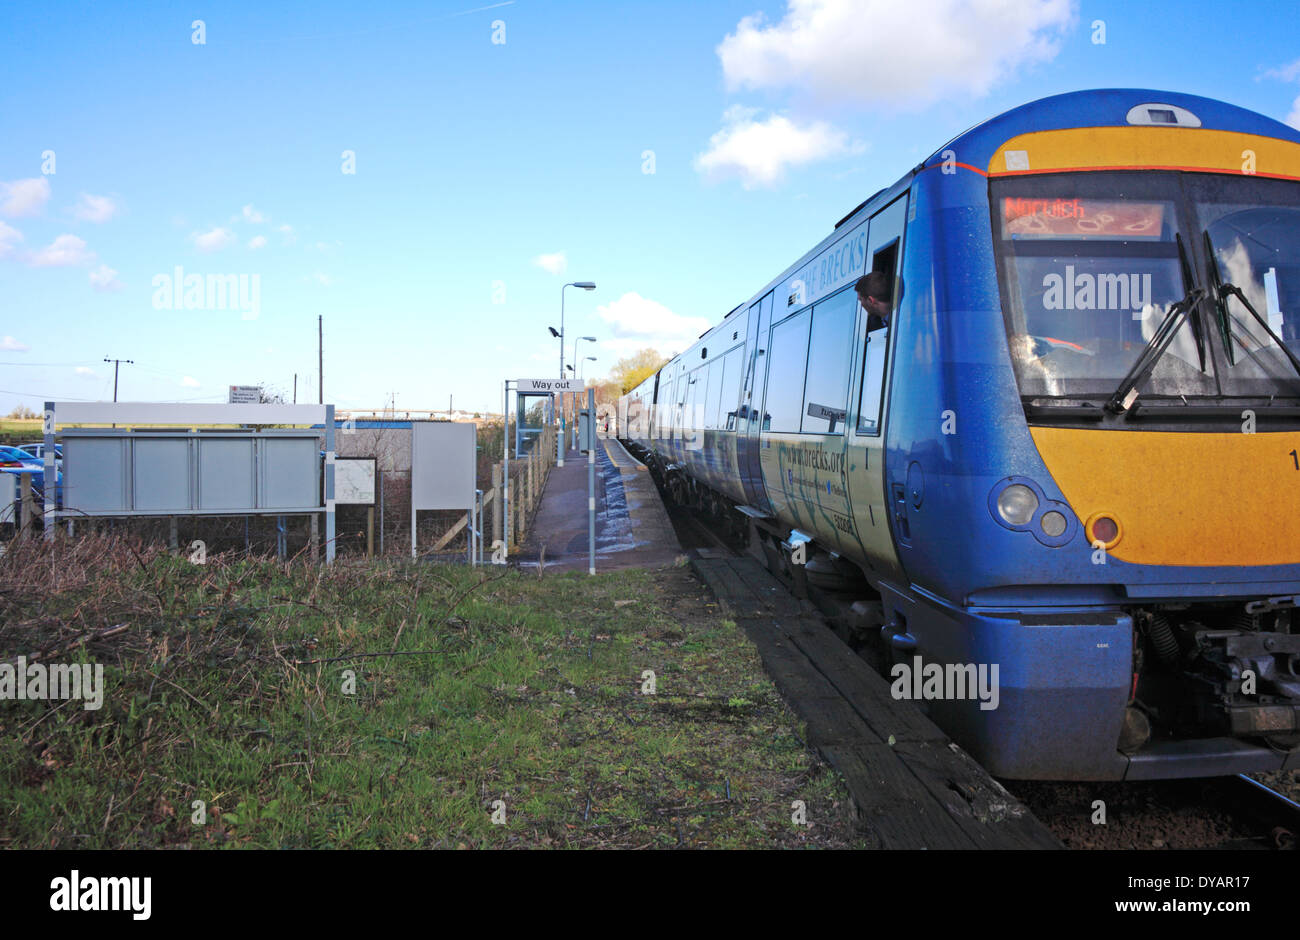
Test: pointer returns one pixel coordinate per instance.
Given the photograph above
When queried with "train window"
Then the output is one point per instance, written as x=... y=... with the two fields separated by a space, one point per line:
x=1251 y=228
x=716 y=368
x=730 y=400
x=883 y=248
x=679 y=417
x=829 y=354
x=1089 y=263
x=787 y=361
x=694 y=388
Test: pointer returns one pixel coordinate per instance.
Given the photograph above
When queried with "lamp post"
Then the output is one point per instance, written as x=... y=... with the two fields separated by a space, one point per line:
x=559 y=439
x=585 y=359
x=585 y=285
x=577 y=364
x=577 y=340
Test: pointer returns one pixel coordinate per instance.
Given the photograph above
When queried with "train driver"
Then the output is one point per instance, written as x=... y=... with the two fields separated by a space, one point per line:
x=874 y=291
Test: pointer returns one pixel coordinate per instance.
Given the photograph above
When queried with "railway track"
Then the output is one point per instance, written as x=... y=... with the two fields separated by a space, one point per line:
x=1236 y=812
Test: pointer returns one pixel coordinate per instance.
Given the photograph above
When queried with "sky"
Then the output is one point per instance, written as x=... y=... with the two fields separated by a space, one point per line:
x=427 y=176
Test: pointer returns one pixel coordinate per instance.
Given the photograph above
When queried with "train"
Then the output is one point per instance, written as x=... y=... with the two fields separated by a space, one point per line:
x=1067 y=446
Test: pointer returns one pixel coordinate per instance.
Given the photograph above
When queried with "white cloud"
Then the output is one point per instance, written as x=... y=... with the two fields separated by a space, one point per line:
x=214 y=240
x=323 y=279
x=9 y=344
x=636 y=322
x=289 y=236
x=556 y=263
x=257 y=241
x=86 y=371
x=64 y=252
x=8 y=236
x=95 y=208
x=758 y=152
x=190 y=382
x=1288 y=73
x=882 y=52
x=252 y=215
x=24 y=197
x=104 y=278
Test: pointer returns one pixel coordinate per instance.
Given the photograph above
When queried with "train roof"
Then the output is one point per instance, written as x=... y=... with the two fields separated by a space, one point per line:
x=1102 y=107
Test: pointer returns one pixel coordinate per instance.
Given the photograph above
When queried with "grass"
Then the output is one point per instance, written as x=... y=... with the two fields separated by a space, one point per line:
x=23 y=426
x=392 y=705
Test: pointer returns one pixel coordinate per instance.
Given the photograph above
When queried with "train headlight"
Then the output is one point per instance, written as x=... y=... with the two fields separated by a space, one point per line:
x=1017 y=504
x=1020 y=504
x=1053 y=524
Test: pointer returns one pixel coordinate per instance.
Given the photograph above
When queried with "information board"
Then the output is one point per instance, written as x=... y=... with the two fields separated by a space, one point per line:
x=442 y=464
x=354 y=480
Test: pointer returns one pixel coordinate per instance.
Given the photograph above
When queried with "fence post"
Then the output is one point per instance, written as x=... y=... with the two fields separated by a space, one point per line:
x=27 y=524
x=495 y=529
x=512 y=507
x=532 y=491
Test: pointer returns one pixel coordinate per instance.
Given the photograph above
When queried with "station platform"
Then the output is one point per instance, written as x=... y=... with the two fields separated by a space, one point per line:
x=632 y=526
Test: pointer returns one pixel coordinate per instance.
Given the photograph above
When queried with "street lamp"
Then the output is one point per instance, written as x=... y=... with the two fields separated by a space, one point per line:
x=585 y=285
x=577 y=374
x=559 y=438
x=585 y=359
x=590 y=339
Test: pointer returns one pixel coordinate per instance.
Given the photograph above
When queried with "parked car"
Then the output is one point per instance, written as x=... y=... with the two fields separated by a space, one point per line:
x=15 y=460
x=37 y=450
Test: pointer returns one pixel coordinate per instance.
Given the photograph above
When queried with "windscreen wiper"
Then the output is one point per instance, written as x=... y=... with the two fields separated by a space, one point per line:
x=1127 y=392
x=1188 y=283
x=1216 y=285
x=1227 y=288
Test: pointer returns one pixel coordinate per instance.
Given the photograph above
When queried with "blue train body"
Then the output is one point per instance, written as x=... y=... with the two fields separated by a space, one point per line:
x=1130 y=561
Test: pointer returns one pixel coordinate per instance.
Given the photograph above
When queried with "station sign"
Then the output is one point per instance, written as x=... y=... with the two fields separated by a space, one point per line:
x=245 y=394
x=549 y=385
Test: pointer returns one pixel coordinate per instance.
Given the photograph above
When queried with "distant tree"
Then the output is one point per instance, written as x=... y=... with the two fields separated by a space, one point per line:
x=631 y=371
x=607 y=391
x=23 y=413
x=269 y=396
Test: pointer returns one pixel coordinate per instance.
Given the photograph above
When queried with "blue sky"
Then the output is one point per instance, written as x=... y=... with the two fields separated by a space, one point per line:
x=488 y=173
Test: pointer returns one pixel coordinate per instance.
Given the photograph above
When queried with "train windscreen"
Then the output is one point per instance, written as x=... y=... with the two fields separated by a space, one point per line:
x=1091 y=263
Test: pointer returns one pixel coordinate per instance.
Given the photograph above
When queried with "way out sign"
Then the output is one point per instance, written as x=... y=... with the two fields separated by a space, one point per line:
x=548 y=385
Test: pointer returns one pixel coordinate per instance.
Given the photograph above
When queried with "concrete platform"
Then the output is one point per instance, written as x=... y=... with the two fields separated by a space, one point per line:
x=632 y=527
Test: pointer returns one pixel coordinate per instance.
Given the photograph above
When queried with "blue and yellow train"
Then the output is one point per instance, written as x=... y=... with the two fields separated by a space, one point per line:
x=1071 y=451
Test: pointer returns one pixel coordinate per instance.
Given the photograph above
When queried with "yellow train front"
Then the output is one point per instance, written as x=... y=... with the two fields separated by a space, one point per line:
x=1062 y=475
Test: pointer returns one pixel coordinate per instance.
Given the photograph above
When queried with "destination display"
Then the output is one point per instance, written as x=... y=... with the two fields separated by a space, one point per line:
x=1082 y=218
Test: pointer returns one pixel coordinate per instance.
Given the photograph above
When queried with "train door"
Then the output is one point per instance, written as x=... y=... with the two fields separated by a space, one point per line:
x=871 y=504
x=749 y=424
x=651 y=415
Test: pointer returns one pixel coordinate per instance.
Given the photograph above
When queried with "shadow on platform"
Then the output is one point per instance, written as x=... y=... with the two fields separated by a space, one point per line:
x=632 y=526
